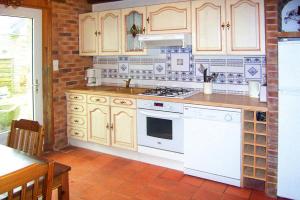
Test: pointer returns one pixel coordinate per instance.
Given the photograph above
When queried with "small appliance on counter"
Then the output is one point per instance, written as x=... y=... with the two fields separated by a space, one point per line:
x=254 y=89
x=263 y=93
x=93 y=77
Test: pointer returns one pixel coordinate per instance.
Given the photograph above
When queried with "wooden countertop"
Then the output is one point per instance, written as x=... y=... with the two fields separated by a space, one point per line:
x=222 y=100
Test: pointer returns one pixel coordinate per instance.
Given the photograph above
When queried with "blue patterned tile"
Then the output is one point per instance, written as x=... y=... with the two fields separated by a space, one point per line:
x=252 y=71
x=123 y=68
x=160 y=68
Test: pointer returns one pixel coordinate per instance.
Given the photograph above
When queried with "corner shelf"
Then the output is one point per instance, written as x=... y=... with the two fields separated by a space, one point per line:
x=255 y=144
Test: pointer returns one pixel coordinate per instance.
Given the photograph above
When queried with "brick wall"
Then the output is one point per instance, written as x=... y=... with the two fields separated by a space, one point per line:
x=271 y=8
x=65 y=48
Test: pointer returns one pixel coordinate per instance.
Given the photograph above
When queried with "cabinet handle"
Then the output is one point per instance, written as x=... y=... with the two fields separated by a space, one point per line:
x=223 y=26
x=111 y=126
x=76 y=133
x=144 y=30
x=97 y=100
x=76 y=121
x=96 y=33
x=76 y=108
x=75 y=97
x=148 y=20
x=228 y=25
x=107 y=126
x=99 y=33
x=123 y=102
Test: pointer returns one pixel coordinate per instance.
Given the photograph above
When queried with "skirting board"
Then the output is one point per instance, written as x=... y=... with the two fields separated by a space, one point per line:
x=133 y=155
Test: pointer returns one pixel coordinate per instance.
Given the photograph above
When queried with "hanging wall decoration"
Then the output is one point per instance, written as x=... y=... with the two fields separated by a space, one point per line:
x=290 y=16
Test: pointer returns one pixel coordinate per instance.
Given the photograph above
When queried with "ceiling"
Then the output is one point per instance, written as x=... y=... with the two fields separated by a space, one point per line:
x=101 y=1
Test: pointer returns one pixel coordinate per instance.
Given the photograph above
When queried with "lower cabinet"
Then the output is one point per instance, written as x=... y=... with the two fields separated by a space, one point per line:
x=123 y=127
x=103 y=120
x=98 y=124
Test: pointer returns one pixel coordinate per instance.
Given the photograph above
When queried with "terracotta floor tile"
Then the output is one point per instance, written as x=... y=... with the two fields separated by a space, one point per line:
x=214 y=186
x=232 y=197
x=243 y=193
x=172 y=174
x=192 y=180
x=101 y=176
x=258 y=195
x=149 y=193
x=204 y=194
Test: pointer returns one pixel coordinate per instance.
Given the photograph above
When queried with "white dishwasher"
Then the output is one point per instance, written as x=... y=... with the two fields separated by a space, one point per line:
x=212 y=143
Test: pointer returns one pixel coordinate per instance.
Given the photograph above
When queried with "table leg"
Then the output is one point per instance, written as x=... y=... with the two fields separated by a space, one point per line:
x=63 y=190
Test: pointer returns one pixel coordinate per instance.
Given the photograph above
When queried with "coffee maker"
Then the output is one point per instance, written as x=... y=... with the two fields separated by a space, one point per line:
x=93 y=77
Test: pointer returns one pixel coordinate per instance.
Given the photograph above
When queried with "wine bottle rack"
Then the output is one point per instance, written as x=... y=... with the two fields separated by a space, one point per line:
x=255 y=144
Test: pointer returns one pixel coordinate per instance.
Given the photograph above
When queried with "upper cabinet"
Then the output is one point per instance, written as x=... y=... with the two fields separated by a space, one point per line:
x=246 y=32
x=133 y=23
x=109 y=25
x=88 y=32
x=100 y=33
x=169 y=18
x=234 y=27
x=209 y=36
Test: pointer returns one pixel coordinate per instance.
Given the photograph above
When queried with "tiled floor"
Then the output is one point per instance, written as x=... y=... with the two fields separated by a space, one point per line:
x=100 y=176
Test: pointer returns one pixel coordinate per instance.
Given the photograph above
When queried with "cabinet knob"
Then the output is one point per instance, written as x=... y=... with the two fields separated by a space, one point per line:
x=228 y=25
x=96 y=33
x=107 y=126
x=148 y=20
x=223 y=26
x=111 y=126
x=144 y=30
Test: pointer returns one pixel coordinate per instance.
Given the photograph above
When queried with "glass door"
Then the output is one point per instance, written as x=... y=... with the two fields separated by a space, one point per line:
x=20 y=65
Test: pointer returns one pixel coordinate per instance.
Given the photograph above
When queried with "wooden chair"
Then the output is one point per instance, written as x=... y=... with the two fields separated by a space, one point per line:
x=26 y=136
x=28 y=182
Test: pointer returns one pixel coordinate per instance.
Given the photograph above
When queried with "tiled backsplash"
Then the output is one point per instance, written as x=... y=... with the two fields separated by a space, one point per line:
x=177 y=67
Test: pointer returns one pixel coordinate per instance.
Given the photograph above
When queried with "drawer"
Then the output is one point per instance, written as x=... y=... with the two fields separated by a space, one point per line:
x=77 y=121
x=96 y=99
x=123 y=102
x=76 y=97
x=78 y=133
x=76 y=108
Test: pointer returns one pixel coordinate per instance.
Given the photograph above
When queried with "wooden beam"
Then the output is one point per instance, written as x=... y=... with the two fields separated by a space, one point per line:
x=100 y=1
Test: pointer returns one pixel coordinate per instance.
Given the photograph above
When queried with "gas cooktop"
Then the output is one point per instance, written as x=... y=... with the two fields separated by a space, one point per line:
x=170 y=92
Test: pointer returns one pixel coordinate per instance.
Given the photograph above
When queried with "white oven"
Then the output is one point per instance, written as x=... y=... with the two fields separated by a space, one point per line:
x=160 y=125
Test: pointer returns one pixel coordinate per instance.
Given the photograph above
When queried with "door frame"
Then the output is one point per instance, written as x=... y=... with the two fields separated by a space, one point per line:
x=45 y=7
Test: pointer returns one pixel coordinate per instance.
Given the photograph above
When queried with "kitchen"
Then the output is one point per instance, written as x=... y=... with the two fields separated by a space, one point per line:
x=173 y=67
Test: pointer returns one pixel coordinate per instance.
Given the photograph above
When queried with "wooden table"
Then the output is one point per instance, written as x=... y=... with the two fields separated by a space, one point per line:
x=12 y=160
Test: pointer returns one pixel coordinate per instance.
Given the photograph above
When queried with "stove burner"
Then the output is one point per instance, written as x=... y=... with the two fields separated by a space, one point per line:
x=169 y=92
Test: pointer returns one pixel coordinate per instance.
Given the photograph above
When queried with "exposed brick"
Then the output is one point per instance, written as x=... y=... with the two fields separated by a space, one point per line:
x=65 y=49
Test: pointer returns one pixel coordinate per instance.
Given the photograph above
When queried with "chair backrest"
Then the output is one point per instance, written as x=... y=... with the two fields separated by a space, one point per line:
x=26 y=136
x=28 y=182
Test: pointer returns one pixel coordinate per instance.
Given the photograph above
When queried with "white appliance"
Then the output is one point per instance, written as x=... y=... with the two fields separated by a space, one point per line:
x=254 y=89
x=160 y=125
x=289 y=119
x=93 y=77
x=212 y=143
x=160 y=40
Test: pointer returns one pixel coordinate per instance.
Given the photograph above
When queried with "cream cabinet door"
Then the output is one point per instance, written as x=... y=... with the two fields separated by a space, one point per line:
x=110 y=32
x=98 y=124
x=169 y=18
x=208 y=27
x=123 y=130
x=133 y=22
x=88 y=34
x=246 y=33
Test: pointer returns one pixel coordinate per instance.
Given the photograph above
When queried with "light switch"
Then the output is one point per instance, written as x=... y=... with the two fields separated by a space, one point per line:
x=55 y=65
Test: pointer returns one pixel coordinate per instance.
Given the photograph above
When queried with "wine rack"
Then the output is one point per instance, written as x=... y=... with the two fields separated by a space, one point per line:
x=255 y=144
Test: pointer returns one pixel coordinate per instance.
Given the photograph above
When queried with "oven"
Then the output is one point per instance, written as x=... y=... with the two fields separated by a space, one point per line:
x=160 y=125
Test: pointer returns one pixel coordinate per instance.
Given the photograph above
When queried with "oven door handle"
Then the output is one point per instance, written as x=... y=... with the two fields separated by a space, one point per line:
x=170 y=116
